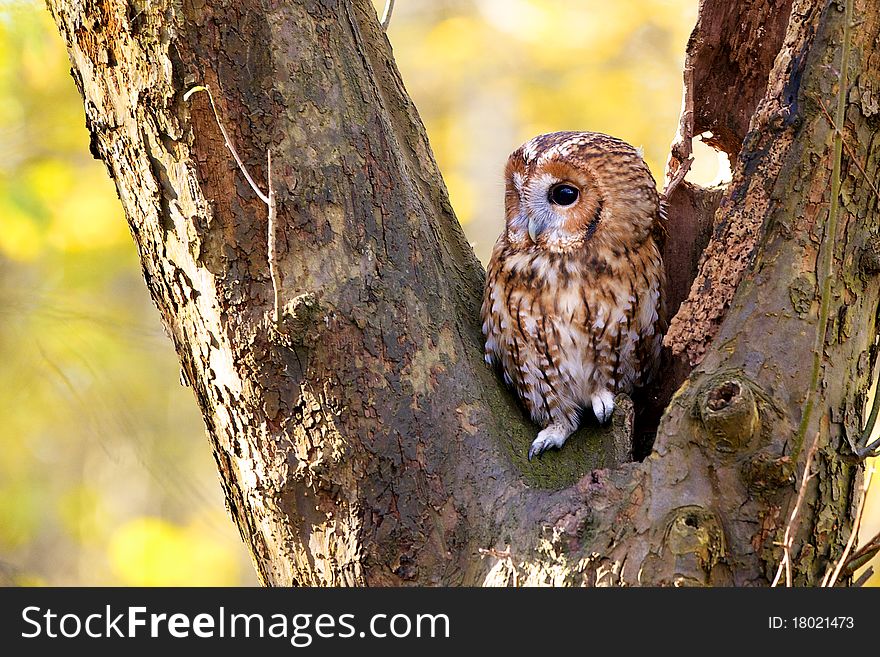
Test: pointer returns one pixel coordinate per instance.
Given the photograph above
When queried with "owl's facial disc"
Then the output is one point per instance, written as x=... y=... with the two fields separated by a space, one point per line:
x=549 y=205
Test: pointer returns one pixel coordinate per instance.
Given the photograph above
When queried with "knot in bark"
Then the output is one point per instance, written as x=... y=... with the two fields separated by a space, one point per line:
x=765 y=474
x=299 y=319
x=729 y=412
x=870 y=260
x=695 y=539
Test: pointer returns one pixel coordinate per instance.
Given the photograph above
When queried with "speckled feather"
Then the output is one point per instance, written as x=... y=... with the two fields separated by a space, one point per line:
x=571 y=310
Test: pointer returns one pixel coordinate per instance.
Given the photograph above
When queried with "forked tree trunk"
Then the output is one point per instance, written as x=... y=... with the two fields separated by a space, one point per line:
x=361 y=439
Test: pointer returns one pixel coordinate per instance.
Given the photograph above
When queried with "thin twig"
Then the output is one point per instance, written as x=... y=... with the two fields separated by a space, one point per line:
x=268 y=199
x=864 y=554
x=681 y=151
x=241 y=166
x=679 y=175
x=386 y=15
x=829 y=240
x=849 y=151
x=855 y=530
x=874 y=448
x=785 y=564
x=862 y=449
x=864 y=577
x=273 y=248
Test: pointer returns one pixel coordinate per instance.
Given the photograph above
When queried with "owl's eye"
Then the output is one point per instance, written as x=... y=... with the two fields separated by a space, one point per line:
x=563 y=194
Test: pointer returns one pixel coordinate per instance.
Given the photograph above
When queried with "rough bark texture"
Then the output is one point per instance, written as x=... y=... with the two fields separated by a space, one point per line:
x=691 y=210
x=727 y=63
x=362 y=440
x=733 y=41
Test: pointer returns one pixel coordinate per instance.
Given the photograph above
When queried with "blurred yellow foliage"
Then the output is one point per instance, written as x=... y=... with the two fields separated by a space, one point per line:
x=82 y=513
x=52 y=195
x=154 y=552
x=20 y=238
x=105 y=474
x=19 y=515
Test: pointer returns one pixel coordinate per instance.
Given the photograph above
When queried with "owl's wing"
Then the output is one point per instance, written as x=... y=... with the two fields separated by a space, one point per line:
x=651 y=316
x=491 y=308
x=658 y=228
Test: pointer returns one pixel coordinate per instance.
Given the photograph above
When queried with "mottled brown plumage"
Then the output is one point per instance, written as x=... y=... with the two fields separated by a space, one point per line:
x=571 y=310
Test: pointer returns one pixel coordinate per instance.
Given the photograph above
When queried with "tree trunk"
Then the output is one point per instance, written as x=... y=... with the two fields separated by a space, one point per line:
x=360 y=438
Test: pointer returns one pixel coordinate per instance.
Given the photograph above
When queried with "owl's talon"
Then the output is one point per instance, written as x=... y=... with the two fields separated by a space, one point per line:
x=536 y=450
x=603 y=405
x=553 y=436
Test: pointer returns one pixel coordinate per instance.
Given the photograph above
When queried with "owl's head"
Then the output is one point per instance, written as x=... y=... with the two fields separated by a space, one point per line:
x=567 y=190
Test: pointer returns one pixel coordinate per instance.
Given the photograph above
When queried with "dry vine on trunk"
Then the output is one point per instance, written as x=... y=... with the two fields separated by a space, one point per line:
x=326 y=310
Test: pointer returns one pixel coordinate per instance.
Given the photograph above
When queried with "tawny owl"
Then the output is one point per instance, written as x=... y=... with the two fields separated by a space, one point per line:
x=571 y=309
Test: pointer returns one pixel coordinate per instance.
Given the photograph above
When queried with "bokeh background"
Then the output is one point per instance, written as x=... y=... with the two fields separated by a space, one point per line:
x=106 y=477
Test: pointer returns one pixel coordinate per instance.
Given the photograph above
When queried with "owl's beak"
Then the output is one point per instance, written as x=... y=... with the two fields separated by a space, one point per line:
x=535 y=229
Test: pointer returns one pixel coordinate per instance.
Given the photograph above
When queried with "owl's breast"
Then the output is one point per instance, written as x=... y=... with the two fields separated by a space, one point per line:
x=562 y=328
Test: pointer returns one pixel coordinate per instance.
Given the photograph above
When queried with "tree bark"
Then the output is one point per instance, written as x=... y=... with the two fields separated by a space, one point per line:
x=360 y=439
